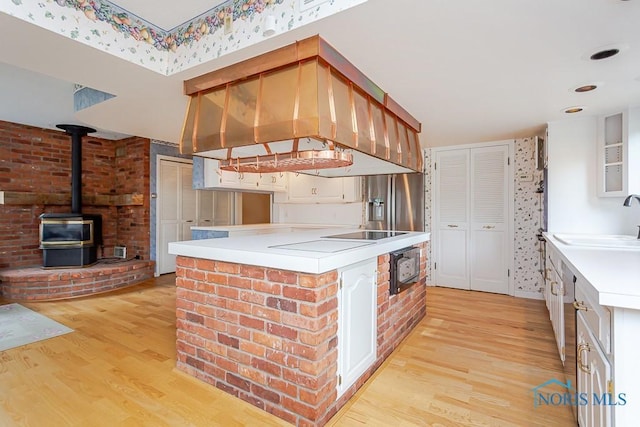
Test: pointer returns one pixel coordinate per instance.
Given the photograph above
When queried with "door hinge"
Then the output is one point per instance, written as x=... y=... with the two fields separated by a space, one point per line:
x=508 y=272
x=435 y=166
x=610 y=386
x=341 y=283
x=435 y=265
x=508 y=161
x=339 y=379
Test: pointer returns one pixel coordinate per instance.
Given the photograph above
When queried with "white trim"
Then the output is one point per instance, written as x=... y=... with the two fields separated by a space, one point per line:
x=472 y=145
x=160 y=158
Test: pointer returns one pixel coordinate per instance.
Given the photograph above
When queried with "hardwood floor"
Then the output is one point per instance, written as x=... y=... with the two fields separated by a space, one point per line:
x=472 y=361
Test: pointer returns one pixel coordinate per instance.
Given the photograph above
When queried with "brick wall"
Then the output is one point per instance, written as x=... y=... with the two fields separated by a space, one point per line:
x=269 y=337
x=39 y=160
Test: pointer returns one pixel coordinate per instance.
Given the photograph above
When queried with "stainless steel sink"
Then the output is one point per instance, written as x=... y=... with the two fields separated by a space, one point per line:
x=600 y=240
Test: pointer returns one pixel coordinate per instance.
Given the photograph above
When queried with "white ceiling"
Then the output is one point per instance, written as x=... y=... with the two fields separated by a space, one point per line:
x=469 y=71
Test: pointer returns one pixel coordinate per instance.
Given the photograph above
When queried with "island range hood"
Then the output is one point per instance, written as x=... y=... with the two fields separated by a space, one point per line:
x=303 y=108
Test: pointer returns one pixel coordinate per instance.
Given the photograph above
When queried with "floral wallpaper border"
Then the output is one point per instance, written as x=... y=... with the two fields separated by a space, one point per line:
x=108 y=27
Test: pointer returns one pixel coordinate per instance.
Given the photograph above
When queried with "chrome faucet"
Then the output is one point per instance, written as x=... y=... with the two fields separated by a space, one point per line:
x=627 y=203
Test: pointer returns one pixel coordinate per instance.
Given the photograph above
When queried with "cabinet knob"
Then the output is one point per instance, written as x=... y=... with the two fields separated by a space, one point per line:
x=582 y=362
x=579 y=305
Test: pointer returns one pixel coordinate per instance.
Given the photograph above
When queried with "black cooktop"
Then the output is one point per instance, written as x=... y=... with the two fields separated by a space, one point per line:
x=367 y=235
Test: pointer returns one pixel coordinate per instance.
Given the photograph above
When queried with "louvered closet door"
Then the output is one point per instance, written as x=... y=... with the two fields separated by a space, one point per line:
x=489 y=243
x=452 y=218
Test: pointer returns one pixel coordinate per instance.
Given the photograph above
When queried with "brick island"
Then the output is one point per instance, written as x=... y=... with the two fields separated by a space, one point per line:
x=258 y=317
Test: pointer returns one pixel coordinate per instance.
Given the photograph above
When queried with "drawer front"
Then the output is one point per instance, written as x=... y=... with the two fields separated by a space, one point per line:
x=597 y=317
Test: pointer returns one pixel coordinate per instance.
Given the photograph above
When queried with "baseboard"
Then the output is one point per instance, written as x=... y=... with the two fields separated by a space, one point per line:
x=529 y=295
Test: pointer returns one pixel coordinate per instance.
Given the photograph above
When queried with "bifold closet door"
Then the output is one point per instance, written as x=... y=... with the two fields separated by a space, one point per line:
x=489 y=243
x=452 y=218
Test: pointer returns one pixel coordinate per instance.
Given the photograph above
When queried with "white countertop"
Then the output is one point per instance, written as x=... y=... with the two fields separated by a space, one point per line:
x=272 y=226
x=258 y=249
x=613 y=273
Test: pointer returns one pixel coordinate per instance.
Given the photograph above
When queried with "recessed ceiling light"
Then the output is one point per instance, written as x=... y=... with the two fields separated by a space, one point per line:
x=572 y=110
x=604 y=54
x=585 y=88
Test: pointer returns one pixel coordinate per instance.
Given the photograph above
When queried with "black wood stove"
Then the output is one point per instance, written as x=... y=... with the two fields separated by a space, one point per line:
x=71 y=239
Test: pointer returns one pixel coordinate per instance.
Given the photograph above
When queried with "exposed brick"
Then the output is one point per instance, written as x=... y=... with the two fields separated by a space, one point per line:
x=252 y=271
x=266 y=287
x=265 y=394
x=281 y=276
x=266 y=366
x=282 y=331
x=227 y=340
x=236 y=381
x=282 y=304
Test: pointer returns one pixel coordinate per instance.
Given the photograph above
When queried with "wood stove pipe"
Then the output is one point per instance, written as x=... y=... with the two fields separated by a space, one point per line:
x=76 y=132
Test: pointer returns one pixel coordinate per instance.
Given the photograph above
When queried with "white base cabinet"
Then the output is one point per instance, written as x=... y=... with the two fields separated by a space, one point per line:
x=594 y=378
x=554 y=297
x=357 y=322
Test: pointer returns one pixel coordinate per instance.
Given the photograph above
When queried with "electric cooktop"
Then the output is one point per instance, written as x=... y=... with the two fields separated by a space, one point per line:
x=367 y=235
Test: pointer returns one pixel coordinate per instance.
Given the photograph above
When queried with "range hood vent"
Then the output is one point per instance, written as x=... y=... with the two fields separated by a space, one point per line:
x=300 y=107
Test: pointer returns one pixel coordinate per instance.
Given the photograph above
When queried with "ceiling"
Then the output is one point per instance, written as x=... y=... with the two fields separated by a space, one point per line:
x=469 y=71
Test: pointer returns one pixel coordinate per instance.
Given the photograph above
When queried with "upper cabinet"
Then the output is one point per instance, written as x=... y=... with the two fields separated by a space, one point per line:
x=618 y=151
x=316 y=189
x=216 y=178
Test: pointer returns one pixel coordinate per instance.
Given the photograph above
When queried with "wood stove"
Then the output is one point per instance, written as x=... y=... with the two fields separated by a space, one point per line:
x=71 y=239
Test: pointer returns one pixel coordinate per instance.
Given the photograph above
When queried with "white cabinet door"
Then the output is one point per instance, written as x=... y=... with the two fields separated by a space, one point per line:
x=594 y=376
x=205 y=208
x=357 y=322
x=314 y=189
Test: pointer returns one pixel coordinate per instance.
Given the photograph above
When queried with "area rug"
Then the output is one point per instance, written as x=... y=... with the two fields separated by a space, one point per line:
x=20 y=326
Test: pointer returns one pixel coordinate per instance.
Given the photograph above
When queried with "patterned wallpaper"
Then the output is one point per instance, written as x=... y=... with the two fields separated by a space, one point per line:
x=528 y=217
x=107 y=27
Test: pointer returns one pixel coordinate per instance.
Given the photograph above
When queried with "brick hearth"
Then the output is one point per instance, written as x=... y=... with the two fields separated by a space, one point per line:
x=38 y=284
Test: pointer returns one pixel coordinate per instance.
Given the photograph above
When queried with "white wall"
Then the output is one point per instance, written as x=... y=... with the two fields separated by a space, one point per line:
x=573 y=204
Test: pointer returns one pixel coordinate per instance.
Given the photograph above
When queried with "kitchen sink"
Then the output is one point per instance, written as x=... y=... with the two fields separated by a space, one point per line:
x=600 y=240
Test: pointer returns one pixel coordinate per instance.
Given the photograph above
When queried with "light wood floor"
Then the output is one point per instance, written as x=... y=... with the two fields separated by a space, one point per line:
x=472 y=361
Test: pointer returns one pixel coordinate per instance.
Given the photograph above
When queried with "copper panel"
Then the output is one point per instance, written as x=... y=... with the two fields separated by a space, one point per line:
x=277 y=103
x=186 y=140
x=210 y=121
x=349 y=71
x=414 y=145
x=395 y=150
x=397 y=109
x=403 y=142
x=289 y=162
x=326 y=123
x=363 y=122
x=344 y=124
x=382 y=143
x=308 y=119
x=241 y=113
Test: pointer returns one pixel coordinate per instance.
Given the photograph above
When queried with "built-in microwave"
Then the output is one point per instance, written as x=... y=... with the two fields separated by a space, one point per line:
x=404 y=269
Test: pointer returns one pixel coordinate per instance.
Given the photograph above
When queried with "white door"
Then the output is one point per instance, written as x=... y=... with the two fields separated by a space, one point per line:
x=472 y=238
x=489 y=228
x=357 y=330
x=452 y=218
x=177 y=207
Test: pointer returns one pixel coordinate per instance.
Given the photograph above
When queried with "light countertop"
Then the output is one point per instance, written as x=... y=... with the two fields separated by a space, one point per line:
x=613 y=273
x=311 y=252
x=272 y=226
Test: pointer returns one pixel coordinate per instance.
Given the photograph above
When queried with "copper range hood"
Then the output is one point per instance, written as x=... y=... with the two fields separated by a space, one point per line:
x=304 y=108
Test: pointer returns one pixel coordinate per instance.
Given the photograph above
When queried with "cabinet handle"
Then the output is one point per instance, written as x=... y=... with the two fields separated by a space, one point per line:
x=582 y=362
x=452 y=226
x=488 y=227
x=273 y=179
x=579 y=305
x=553 y=288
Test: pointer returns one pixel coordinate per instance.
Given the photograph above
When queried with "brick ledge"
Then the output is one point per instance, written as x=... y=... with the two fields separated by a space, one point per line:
x=39 y=284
